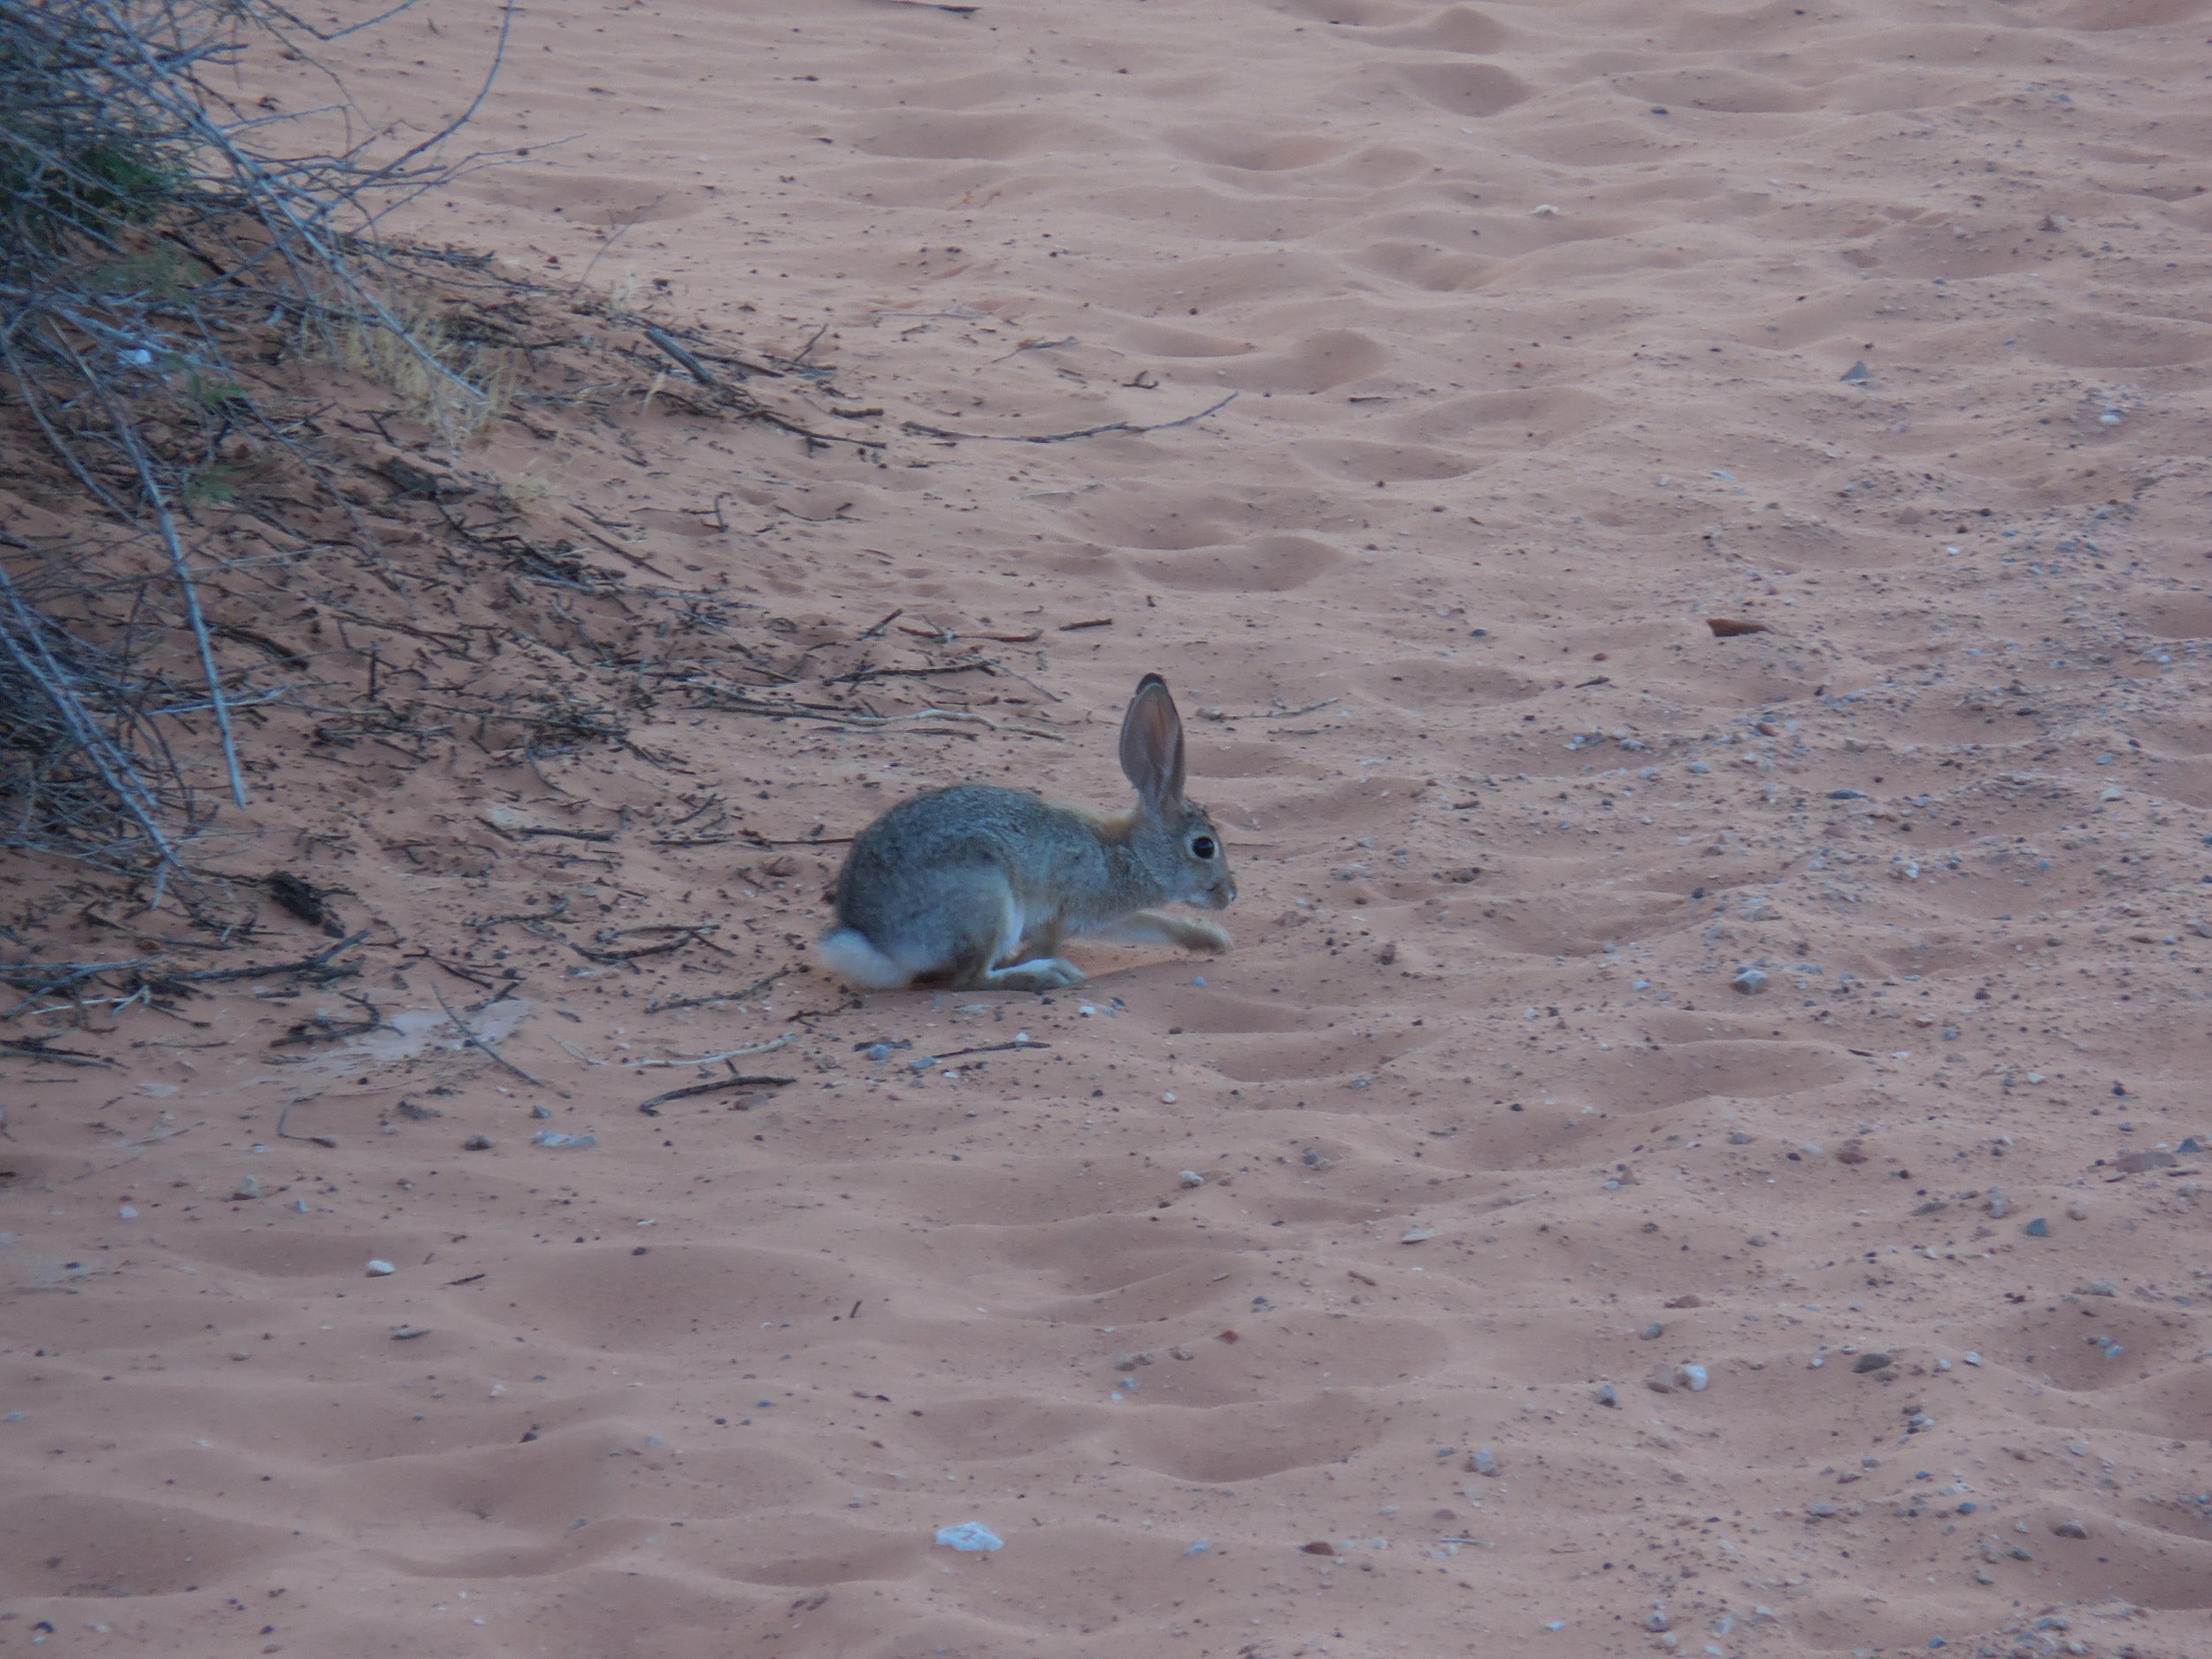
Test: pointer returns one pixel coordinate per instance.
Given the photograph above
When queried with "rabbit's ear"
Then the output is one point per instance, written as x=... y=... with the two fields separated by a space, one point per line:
x=1152 y=743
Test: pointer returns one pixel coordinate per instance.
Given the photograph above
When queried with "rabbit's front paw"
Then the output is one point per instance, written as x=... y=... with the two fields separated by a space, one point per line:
x=1201 y=936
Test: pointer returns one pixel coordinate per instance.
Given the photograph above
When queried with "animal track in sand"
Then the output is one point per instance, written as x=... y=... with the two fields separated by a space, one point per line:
x=1267 y=565
x=935 y=136
x=78 y=1544
x=1246 y=1442
x=604 y=1296
x=1472 y=89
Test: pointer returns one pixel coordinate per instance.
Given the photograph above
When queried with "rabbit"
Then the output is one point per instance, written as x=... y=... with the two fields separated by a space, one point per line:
x=955 y=882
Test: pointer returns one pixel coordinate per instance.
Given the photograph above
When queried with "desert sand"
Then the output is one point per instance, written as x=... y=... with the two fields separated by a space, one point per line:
x=1697 y=1147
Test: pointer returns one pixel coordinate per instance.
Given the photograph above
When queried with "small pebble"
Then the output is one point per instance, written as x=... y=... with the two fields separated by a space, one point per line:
x=1694 y=1377
x=970 y=1535
x=555 y=1138
x=1606 y=1396
x=1653 y=1331
x=2039 y=1228
x=1191 y=1178
x=378 y=1270
x=1869 y=1363
x=247 y=1188
x=1749 y=981
x=1483 y=1463
x=2068 y=1529
x=476 y=1143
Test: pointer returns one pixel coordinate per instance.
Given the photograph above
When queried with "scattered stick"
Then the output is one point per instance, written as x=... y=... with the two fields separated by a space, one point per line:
x=1030 y=638
x=975 y=663
x=880 y=626
x=695 y=933
x=322 y=1028
x=994 y=1048
x=318 y=964
x=475 y=1042
x=691 y=364
x=283 y=1133
x=1038 y=345
x=745 y=996
x=458 y=972
x=559 y=910
x=36 y=1048
x=716 y=1059
x=877 y=722
x=651 y=1107
x=165 y=1133
x=567 y=834
x=1077 y=627
x=1271 y=714
x=918 y=430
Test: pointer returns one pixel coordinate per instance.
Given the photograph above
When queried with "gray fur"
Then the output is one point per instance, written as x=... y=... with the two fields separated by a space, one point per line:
x=956 y=882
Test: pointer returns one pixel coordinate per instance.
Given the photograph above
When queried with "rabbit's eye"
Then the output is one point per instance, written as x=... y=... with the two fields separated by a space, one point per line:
x=1203 y=847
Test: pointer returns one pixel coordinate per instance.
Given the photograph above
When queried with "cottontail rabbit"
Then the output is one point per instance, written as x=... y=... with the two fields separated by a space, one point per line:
x=955 y=881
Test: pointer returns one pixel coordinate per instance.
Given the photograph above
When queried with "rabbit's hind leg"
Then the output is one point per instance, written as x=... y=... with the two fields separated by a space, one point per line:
x=972 y=964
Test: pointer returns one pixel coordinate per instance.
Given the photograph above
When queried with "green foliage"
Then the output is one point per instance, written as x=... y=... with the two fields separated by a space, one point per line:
x=209 y=486
x=156 y=274
x=57 y=183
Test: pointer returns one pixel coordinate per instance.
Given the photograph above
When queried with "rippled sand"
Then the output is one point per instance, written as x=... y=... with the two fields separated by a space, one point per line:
x=1554 y=332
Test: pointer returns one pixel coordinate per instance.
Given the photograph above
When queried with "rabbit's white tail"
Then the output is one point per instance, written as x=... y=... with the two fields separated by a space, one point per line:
x=846 y=952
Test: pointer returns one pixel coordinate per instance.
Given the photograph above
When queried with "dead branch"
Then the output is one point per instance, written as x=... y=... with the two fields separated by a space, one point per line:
x=920 y=431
